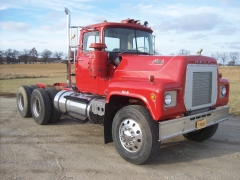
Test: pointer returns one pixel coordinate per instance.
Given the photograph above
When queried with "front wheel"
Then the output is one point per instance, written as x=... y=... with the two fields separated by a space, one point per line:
x=202 y=134
x=135 y=134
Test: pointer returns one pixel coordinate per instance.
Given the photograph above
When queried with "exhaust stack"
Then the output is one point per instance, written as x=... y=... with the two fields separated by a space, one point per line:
x=69 y=80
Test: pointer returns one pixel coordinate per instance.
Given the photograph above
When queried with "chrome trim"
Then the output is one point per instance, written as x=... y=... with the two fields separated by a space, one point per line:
x=175 y=127
x=192 y=94
x=69 y=80
x=130 y=135
x=174 y=98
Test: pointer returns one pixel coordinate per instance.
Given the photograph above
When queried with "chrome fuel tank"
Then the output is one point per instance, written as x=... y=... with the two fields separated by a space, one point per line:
x=80 y=106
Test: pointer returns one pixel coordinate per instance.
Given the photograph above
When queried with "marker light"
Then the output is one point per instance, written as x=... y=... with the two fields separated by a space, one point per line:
x=151 y=78
x=153 y=97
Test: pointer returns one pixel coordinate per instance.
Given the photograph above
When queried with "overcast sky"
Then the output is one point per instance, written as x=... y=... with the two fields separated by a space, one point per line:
x=213 y=25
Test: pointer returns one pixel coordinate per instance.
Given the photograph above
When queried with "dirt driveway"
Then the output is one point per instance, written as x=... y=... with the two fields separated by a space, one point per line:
x=69 y=150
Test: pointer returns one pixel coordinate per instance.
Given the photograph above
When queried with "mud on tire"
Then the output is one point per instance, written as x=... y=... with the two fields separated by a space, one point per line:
x=41 y=106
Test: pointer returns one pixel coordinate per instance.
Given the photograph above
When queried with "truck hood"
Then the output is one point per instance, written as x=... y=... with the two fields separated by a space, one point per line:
x=172 y=68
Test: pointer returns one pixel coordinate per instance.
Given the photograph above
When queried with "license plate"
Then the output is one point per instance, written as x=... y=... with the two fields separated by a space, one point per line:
x=201 y=124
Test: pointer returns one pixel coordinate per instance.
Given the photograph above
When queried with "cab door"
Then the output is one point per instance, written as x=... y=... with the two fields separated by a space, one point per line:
x=84 y=82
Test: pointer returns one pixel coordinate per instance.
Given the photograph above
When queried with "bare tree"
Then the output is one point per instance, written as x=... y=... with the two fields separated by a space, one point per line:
x=233 y=56
x=58 y=55
x=46 y=54
x=34 y=53
x=183 y=52
x=224 y=57
x=15 y=55
x=24 y=55
x=9 y=56
x=216 y=55
x=1 y=57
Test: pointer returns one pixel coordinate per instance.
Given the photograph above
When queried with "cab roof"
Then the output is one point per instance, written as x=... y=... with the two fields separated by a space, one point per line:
x=128 y=23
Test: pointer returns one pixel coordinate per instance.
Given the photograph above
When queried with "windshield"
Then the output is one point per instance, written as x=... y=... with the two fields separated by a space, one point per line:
x=128 y=40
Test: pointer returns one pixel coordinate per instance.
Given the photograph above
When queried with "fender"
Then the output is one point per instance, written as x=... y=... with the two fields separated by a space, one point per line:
x=140 y=90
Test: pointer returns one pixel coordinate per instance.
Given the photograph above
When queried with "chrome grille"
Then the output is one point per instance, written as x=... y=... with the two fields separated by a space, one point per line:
x=202 y=88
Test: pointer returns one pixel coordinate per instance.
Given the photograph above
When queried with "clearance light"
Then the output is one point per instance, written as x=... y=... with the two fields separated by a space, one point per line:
x=153 y=97
x=220 y=75
x=151 y=78
x=146 y=24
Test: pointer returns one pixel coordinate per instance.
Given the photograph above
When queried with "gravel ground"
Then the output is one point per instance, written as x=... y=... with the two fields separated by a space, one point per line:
x=69 y=150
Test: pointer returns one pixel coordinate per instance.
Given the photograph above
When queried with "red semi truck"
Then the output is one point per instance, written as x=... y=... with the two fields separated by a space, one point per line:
x=140 y=98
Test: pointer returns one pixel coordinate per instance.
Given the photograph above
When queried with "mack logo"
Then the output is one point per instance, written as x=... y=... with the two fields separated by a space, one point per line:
x=202 y=62
x=158 y=61
x=125 y=92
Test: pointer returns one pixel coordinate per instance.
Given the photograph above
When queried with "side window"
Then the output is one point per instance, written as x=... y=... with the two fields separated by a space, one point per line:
x=112 y=43
x=89 y=38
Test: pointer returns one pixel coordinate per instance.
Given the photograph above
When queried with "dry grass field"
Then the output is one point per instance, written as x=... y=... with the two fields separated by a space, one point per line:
x=13 y=76
x=233 y=76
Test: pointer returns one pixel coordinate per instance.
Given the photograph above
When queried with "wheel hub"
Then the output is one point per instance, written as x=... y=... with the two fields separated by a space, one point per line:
x=21 y=102
x=130 y=135
x=36 y=107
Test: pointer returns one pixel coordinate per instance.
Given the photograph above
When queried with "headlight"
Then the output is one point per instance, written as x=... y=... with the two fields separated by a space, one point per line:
x=168 y=99
x=223 y=91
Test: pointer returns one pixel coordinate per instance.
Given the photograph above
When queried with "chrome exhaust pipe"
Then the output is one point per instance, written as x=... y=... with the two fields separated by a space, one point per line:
x=69 y=80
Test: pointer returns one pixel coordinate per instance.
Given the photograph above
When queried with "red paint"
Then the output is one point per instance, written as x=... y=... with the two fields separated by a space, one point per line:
x=98 y=60
x=96 y=75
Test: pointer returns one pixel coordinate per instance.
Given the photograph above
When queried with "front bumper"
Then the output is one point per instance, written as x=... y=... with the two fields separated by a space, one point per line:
x=175 y=127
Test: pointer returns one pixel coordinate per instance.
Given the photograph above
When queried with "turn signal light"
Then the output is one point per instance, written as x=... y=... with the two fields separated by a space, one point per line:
x=153 y=97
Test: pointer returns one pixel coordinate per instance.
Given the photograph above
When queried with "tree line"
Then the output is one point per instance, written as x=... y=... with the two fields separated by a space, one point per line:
x=32 y=56
x=223 y=58
x=12 y=56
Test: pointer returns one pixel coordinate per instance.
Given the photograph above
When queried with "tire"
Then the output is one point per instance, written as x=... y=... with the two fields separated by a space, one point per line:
x=23 y=101
x=135 y=134
x=41 y=106
x=55 y=115
x=202 y=134
x=33 y=87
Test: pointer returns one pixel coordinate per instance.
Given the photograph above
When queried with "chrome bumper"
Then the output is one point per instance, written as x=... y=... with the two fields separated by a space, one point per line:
x=175 y=127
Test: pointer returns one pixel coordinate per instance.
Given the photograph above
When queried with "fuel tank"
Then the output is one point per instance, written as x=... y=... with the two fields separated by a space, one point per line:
x=80 y=106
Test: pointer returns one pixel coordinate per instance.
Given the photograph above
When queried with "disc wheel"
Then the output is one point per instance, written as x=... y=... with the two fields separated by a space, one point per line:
x=23 y=101
x=135 y=134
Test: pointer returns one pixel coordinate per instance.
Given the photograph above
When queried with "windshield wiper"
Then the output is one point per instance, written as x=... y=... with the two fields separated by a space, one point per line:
x=134 y=51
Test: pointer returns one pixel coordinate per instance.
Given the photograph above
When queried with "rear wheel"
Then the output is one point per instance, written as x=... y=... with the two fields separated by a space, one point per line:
x=55 y=115
x=135 y=134
x=202 y=134
x=23 y=101
x=41 y=106
x=33 y=87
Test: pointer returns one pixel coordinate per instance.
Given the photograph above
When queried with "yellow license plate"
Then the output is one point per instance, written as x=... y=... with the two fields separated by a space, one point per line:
x=201 y=124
